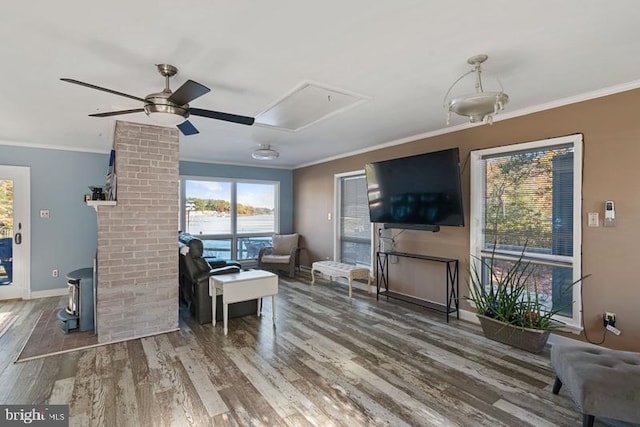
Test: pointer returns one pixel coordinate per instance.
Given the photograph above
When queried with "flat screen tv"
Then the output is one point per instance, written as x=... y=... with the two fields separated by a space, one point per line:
x=422 y=191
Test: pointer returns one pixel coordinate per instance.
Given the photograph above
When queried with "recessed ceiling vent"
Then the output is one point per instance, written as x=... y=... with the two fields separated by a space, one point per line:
x=307 y=104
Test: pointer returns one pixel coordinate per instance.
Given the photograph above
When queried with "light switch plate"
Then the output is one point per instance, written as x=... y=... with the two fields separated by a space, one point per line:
x=594 y=219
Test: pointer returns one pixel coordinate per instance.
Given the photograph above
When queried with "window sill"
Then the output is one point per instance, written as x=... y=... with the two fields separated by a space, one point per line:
x=570 y=329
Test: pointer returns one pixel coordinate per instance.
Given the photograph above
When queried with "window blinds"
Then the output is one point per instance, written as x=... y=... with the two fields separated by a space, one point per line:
x=528 y=201
x=355 y=227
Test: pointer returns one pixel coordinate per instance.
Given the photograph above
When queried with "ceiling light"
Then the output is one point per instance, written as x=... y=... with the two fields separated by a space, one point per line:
x=480 y=106
x=165 y=114
x=265 y=152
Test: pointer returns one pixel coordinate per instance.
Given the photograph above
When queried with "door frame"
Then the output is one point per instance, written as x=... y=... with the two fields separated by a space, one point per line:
x=21 y=176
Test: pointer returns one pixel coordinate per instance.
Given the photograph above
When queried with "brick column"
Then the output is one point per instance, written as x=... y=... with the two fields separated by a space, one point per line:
x=137 y=285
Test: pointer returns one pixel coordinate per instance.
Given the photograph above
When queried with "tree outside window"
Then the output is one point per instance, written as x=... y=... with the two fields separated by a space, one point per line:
x=527 y=203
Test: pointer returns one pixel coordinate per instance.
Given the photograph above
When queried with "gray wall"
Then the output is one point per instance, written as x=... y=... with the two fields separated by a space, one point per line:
x=60 y=179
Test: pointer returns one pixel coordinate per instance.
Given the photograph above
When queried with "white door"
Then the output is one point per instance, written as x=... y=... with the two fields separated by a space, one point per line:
x=14 y=231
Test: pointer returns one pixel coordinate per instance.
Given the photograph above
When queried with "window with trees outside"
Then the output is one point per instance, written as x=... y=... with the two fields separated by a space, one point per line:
x=526 y=199
x=233 y=218
x=353 y=227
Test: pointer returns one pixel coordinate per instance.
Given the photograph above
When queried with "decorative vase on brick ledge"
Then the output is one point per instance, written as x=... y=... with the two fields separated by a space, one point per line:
x=532 y=340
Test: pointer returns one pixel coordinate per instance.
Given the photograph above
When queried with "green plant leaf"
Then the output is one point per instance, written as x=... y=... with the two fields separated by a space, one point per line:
x=511 y=296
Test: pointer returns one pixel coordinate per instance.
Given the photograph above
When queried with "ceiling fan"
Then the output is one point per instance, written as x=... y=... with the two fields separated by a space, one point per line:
x=170 y=108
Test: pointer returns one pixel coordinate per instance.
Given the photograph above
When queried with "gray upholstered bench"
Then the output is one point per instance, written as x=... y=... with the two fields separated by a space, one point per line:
x=601 y=382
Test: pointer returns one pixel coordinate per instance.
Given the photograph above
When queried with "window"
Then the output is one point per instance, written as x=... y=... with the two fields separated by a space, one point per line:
x=234 y=219
x=353 y=224
x=528 y=197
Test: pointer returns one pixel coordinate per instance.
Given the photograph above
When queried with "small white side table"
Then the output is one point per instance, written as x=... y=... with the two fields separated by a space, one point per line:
x=242 y=286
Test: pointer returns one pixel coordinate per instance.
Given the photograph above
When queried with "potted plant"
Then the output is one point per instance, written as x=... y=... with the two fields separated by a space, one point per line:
x=510 y=309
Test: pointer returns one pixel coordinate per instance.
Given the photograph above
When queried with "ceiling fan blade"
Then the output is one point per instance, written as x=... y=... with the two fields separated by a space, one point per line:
x=243 y=120
x=187 y=128
x=116 y=113
x=77 y=82
x=189 y=91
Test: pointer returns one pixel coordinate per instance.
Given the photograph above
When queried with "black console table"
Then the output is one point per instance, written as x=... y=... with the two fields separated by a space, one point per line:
x=452 y=287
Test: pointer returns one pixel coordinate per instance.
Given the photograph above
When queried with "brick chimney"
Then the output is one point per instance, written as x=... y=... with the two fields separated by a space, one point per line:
x=137 y=281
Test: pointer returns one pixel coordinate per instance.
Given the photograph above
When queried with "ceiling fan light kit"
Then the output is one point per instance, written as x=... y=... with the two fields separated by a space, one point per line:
x=157 y=105
x=265 y=152
x=166 y=115
x=169 y=108
x=481 y=105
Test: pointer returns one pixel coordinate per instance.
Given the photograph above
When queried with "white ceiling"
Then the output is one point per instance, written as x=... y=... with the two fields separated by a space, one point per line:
x=401 y=54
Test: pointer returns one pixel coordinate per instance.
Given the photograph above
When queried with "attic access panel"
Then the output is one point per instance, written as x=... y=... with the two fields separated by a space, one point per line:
x=307 y=104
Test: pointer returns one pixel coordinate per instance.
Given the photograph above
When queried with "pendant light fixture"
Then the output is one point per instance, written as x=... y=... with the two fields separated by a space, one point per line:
x=265 y=152
x=479 y=106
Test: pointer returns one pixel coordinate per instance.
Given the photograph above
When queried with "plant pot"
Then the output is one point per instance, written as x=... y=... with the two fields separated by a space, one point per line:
x=531 y=340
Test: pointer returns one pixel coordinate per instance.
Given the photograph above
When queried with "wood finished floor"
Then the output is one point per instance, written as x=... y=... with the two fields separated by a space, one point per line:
x=330 y=361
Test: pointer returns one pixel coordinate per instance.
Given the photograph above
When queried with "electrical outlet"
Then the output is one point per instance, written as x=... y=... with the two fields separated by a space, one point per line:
x=609 y=319
x=44 y=213
x=54 y=273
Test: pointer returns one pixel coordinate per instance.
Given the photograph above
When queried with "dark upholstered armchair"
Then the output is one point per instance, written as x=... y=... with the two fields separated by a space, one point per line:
x=214 y=262
x=194 y=273
x=283 y=255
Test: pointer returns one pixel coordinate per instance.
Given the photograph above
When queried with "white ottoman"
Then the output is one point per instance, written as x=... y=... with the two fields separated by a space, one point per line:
x=338 y=269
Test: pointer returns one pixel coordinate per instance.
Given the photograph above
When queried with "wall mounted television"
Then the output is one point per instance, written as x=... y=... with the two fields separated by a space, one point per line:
x=417 y=192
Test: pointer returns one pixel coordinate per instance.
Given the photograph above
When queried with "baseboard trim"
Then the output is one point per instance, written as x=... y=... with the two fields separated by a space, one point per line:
x=58 y=292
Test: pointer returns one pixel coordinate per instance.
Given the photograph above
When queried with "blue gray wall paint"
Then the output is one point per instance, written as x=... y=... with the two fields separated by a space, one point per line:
x=60 y=179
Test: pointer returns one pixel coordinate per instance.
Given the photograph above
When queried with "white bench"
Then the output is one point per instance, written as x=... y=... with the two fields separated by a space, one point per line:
x=338 y=269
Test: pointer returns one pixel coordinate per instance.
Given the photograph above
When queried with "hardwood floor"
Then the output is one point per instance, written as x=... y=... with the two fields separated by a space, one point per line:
x=330 y=361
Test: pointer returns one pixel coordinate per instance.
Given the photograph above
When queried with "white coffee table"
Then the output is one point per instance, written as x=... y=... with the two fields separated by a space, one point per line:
x=242 y=286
